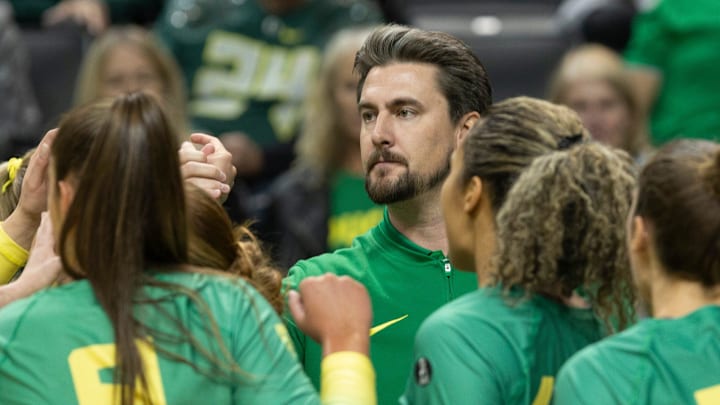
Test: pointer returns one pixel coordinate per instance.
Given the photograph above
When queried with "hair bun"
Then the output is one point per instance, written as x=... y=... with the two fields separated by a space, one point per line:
x=570 y=141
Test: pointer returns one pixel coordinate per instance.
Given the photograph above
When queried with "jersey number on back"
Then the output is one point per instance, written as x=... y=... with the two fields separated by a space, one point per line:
x=86 y=364
x=544 y=394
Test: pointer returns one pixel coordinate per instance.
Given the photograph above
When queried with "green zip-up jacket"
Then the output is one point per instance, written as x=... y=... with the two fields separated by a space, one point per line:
x=406 y=284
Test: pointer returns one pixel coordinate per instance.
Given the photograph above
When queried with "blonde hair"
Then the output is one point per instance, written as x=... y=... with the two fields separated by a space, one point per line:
x=90 y=75
x=562 y=228
x=599 y=63
x=320 y=141
x=10 y=197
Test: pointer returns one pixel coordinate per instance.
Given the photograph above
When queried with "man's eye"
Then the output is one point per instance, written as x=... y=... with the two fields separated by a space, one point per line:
x=367 y=116
x=406 y=113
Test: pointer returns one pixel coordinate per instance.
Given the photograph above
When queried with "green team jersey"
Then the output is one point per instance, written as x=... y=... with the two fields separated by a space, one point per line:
x=406 y=283
x=487 y=348
x=57 y=347
x=352 y=212
x=658 y=362
x=247 y=70
x=679 y=39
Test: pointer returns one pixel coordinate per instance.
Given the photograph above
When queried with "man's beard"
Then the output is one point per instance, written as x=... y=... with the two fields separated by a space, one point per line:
x=383 y=190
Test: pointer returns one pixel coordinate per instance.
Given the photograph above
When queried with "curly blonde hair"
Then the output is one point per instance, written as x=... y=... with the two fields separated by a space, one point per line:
x=511 y=135
x=562 y=228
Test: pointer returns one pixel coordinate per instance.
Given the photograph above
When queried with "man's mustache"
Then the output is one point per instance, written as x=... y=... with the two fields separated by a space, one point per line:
x=383 y=156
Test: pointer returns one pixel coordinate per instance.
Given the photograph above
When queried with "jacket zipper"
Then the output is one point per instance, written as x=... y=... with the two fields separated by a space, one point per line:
x=448 y=278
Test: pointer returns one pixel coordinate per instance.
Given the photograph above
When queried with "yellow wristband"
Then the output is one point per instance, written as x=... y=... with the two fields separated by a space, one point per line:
x=348 y=378
x=12 y=256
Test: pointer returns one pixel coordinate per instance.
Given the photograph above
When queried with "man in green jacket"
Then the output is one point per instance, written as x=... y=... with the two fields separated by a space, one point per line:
x=418 y=95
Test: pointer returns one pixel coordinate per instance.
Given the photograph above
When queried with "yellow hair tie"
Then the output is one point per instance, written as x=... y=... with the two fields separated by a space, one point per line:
x=13 y=166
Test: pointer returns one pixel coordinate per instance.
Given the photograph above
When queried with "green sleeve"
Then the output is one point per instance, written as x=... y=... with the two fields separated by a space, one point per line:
x=650 y=40
x=294 y=277
x=449 y=369
x=262 y=348
x=296 y=274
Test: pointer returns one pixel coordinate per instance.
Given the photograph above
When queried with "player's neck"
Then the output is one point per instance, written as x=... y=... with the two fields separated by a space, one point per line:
x=420 y=220
x=673 y=298
x=485 y=243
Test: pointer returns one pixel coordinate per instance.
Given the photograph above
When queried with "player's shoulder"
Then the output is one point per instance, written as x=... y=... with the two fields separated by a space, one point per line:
x=624 y=349
x=471 y=313
x=52 y=306
x=345 y=261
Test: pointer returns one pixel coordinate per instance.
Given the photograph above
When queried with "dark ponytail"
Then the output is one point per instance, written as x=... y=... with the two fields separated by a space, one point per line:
x=127 y=214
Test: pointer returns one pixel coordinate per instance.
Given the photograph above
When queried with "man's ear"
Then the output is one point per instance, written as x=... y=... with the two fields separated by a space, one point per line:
x=465 y=124
x=472 y=195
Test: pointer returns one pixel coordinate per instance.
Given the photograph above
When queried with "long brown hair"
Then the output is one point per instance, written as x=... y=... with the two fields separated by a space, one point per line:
x=214 y=243
x=679 y=195
x=562 y=228
x=127 y=214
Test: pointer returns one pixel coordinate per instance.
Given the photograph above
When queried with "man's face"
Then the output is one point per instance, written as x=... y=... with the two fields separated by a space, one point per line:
x=406 y=136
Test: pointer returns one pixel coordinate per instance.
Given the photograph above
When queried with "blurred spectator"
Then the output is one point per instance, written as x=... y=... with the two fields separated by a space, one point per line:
x=128 y=59
x=95 y=15
x=605 y=22
x=674 y=56
x=19 y=113
x=592 y=80
x=320 y=204
x=247 y=63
